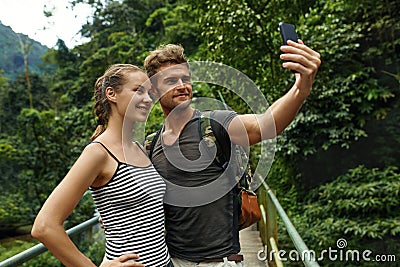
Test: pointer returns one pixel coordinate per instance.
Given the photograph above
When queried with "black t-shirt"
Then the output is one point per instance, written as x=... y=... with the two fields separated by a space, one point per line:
x=200 y=218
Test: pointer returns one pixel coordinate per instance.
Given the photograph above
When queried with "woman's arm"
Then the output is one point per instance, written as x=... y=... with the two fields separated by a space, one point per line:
x=48 y=227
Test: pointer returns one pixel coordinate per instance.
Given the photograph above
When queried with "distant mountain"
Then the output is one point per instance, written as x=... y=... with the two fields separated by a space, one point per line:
x=11 y=57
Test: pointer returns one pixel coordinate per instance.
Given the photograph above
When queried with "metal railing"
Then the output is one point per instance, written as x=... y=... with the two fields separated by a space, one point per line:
x=269 y=231
x=34 y=251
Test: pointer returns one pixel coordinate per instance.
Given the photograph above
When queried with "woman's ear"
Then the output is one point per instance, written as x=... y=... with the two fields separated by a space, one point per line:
x=110 y=94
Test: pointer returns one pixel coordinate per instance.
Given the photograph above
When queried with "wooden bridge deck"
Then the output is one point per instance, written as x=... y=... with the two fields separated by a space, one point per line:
x=251 y=243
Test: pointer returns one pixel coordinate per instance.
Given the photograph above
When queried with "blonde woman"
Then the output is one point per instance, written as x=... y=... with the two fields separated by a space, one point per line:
x=126 y=188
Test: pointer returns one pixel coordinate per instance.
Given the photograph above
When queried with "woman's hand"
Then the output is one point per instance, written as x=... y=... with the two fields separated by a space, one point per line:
x=101 y=223
x=124 y=260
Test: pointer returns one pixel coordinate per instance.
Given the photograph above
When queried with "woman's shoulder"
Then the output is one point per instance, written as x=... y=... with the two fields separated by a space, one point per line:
x=96 y=151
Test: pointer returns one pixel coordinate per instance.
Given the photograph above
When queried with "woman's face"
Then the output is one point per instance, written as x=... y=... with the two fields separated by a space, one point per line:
x=133 y=101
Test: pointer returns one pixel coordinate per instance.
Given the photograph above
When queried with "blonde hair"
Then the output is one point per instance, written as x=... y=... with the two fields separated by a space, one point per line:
x=114 y=77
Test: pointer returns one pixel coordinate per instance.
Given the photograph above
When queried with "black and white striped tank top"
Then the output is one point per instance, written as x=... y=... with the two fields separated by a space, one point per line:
x=131 y=207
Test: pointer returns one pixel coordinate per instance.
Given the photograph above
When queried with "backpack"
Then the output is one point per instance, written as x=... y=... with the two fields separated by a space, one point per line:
x=249 y=210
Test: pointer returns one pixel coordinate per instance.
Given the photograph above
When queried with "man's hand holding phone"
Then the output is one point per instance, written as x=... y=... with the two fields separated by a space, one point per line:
x=299 y=58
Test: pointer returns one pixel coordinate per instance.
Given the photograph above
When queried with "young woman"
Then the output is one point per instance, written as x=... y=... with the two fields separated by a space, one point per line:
x=126 y=188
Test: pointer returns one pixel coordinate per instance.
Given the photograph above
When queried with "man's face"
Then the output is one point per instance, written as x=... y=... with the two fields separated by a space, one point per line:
x=172 y=86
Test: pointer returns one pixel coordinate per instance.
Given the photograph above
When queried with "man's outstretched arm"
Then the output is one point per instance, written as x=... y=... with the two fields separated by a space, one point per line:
x=305 y=62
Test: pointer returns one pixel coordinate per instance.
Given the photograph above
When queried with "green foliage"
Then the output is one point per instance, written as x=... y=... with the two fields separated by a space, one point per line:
x=14 y=211
x=6 y=150
x=283 y=180
x=12 y=248
x=66 y=89
x=45 y=259
x=47 y=147
x=93 y=247
x=13 y=98
x=156 y=120
x=9 y=165
x=122 y=48
x=3 y=80
x=349 y=89
x=361 y=206
x=177 y=24
x=41 y=149
x=9 y=249
x=118 y=38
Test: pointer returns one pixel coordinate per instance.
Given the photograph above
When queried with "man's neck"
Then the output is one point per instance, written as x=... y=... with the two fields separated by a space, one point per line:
x=177 y=119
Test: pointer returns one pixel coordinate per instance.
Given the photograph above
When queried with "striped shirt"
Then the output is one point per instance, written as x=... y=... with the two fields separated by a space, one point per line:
x=131 y=207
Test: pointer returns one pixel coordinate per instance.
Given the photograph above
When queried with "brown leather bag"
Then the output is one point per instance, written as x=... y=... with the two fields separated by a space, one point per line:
x=250 y=210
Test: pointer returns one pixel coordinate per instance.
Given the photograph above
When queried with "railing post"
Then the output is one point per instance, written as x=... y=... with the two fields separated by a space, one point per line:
x=271 y=230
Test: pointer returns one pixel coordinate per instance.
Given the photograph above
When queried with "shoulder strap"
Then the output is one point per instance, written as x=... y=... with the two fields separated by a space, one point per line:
x=206 y=133
x=150 y=142
x=108 y=151
x=141 y=147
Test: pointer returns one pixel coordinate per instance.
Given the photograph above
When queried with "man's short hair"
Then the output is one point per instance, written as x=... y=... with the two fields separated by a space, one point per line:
x=163 y=55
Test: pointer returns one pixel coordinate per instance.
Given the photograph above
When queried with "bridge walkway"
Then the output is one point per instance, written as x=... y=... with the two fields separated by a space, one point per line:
x=251 y=244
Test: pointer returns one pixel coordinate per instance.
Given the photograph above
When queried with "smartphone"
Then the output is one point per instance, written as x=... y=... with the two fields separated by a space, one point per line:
x=288 y=32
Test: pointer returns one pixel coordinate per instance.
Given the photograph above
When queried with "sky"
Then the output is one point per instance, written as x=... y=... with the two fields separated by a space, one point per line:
x=27 y=17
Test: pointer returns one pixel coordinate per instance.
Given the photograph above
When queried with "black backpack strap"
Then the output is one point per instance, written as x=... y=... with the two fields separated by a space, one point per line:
x=207 y=134
x=150 y=142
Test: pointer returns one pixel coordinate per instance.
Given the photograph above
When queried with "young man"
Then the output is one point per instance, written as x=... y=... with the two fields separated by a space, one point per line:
x=199 y=231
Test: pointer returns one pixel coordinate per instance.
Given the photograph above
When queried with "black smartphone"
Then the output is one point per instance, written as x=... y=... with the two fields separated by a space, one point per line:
x=288 y=32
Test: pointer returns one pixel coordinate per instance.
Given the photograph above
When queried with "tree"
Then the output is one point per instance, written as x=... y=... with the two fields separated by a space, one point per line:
x=3 y=86
x=25 y=47
x=13 y=100
x=64 y=85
